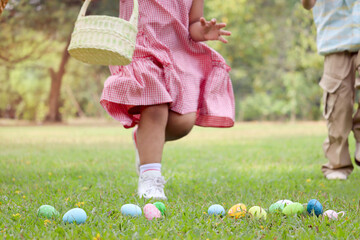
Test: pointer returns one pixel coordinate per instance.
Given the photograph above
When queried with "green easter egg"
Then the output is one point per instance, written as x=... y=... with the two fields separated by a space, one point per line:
x=257 y=212
x=47 y=211
x=276 y=207
x=293 y=209
x=161 y=207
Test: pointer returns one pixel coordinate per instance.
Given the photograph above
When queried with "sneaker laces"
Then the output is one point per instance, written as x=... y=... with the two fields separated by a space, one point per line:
x=157 y=185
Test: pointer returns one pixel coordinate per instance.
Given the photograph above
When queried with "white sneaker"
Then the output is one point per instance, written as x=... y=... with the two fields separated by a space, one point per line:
x=336 y=176
x=137 y=158
x=151 y=185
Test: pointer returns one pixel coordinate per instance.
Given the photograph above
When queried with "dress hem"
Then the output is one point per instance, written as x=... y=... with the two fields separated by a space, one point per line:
x=131 y=120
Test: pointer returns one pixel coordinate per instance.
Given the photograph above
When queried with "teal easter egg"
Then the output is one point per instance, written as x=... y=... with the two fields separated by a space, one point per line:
x=276 y=207
x=293 y=209
x=47 y=211
x=161 y=207
x=131 y=210
x=216 y=210
x=314 y=207
x=76 y=215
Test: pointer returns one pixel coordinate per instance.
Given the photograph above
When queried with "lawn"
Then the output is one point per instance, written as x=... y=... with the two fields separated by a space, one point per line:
x=92 y=167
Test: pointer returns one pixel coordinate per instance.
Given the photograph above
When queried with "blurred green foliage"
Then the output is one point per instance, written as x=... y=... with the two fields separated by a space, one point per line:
x=272 y=53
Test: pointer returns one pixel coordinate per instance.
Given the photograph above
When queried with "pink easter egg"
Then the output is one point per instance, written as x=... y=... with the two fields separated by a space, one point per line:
x=151 y=212
x=331 y=214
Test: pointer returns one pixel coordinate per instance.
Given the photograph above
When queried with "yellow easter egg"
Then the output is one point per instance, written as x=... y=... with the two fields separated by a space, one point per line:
x=237 y=211
x=258 y=212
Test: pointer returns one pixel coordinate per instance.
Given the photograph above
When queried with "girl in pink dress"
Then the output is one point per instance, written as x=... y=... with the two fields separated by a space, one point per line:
x=173 y=83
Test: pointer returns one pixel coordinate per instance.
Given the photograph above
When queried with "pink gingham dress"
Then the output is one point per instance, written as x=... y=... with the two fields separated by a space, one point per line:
x=169 y=67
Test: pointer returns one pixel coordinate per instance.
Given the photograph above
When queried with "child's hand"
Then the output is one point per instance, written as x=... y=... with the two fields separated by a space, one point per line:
x=213 y=31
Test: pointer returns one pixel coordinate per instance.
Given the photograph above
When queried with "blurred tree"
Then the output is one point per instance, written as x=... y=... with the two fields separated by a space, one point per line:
x=290 y=75
x=2 y=5
x=272 y=52
x=18 y=45
x=32 y=28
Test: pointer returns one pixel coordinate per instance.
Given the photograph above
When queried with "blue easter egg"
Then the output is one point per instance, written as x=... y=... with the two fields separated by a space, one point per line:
x=314 y=206
x=131 y=210
x=216 y=209
x=77 y=215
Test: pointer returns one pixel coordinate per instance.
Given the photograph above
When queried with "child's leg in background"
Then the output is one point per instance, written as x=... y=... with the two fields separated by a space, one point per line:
x=356 y=121
x=338 y=83
x=178 y=125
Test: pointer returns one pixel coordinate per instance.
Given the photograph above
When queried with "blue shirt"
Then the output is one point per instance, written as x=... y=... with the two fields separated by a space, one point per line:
x=338 y=25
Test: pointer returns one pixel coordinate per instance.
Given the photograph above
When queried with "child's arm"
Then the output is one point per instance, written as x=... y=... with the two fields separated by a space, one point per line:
x=308 y=4
x=202 y=30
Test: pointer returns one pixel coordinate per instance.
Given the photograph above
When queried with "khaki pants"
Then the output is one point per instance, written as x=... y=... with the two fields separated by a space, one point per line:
x=339 y=85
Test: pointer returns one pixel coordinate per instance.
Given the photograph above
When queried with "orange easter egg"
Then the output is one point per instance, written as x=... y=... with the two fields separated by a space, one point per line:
x=237 y=211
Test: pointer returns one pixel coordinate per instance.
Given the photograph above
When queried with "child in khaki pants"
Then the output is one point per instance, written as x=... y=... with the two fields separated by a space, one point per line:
x=338 y=40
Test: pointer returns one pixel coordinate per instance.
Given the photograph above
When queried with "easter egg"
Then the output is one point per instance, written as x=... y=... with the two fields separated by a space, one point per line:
x=237 y=211
x=76 y=215
x=47 y=211
x=131 y=210
x=285 y=201
x=161 y=207
x=332 y=215
x=151 y=212
x=314 y=207
x=257 y=212
x=293 y=209
x=276 y=207
x=216 y=209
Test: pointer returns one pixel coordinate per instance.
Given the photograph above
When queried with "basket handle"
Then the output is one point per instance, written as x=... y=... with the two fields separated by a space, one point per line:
x=133 y=19
x=83 y=9
x=135 y=14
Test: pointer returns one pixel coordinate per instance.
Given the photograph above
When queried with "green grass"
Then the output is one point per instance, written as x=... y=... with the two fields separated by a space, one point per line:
x=252 y=163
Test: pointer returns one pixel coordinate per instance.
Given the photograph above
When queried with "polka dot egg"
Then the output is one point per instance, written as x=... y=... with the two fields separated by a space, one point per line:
x=151 y=212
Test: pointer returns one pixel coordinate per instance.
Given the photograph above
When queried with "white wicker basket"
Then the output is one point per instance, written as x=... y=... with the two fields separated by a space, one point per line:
x=104 y=40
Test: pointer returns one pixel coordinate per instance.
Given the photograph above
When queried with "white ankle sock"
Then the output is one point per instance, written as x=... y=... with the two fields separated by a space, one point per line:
x=150 y=167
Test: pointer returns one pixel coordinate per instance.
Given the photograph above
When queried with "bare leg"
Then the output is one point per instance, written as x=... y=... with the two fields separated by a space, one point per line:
x=156 y=122
x=157 y=125
x=179 y=125
x=151 y=133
